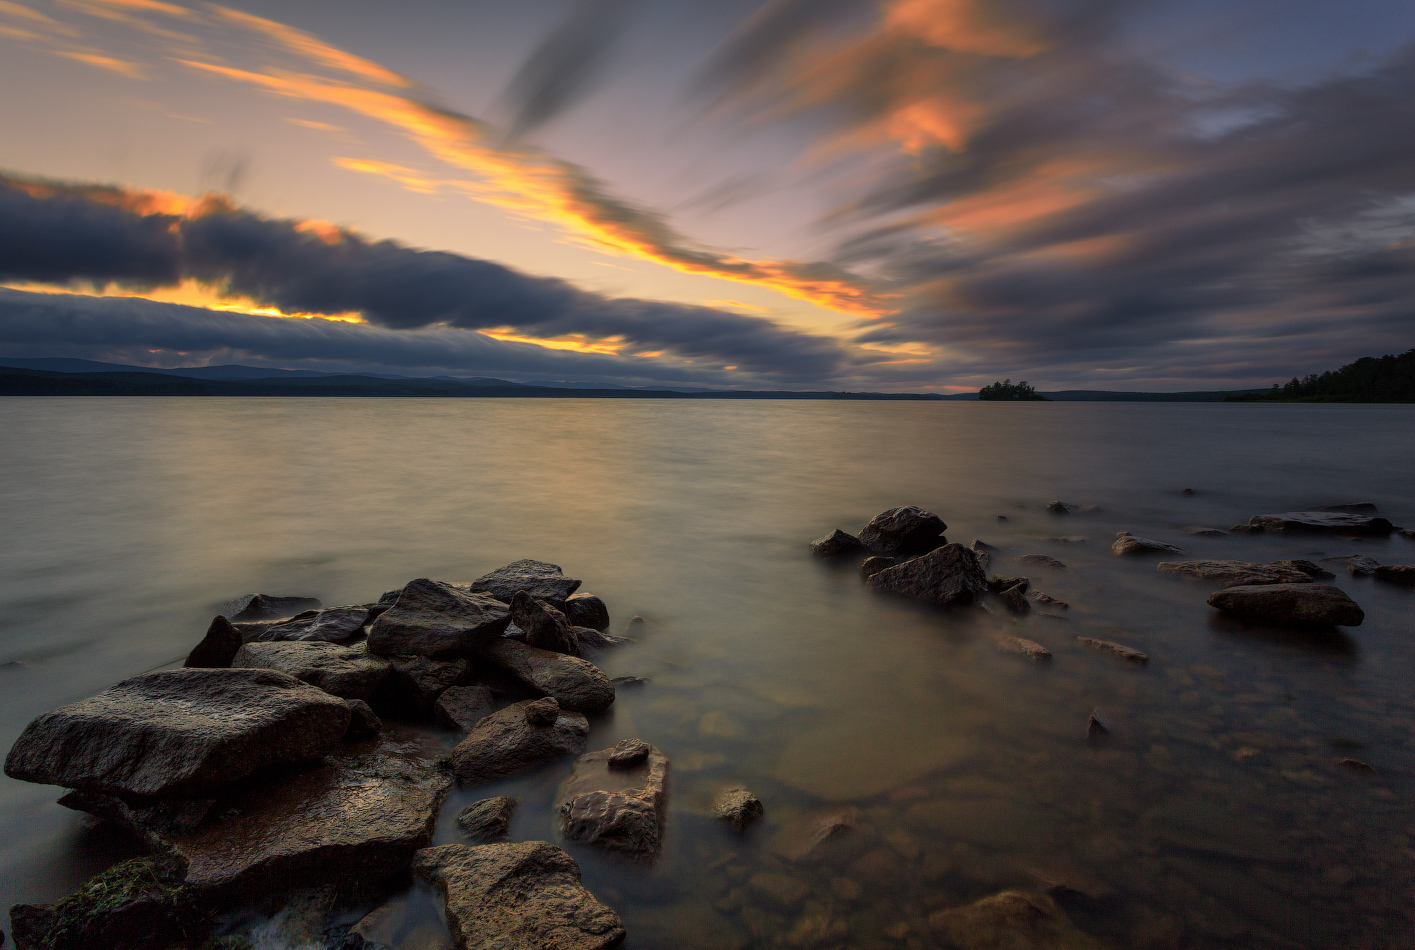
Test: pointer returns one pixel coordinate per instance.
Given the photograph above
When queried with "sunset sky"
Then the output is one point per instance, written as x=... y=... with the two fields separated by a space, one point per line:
x=899 y=195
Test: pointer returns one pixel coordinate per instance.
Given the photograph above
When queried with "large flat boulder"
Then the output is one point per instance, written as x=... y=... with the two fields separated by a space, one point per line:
x=1318 y=604
x=542 y=581
x=575 y=683
x=431 y=618
x=1236 y=573
x=336 y=669
x=617 y=799
x=251 y=607
x=903 y=530
x=333 y=624
x=179 y=733
x=524 y=896
x=517 y=738
x=1323 y=522
x=948 y=575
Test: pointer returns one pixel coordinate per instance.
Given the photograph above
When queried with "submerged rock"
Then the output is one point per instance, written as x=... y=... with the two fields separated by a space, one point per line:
x=617 y=799
x=546 y=628
x=1327 y=521
x=1116 y=649
x=338 y=670
x=1402 y=574
x=217 y=648
x=1021 y=646
x=333 y=624
x=1012 y=920
x=871 y=566
x=179 y=733
x=524 y=896
x=509 y=741
x=415 y=683
x=1306 y=567
x=596 y=639
x=947 y=575
x=541 y=580
x=1358 y=565
x=577 y=684
x=1308 y=603
x=1126 y=543
x=488 y=819
x=1047 y=599
x=999 y=584
x=251 y=607
x=1096 y=727
x=431 y=618
x=587 y=610
x=805 y=838
x=460 y=707
x=904 y=530
x=1235 y=573
x=1015 y=598
x=738 y=807
x=837 y=544
x=1061 y=508
x=1042 y=560
x=1203 y=532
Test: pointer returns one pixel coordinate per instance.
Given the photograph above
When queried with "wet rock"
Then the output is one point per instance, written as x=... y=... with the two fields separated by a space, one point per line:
x=415 y=683
x=338 y=670
x=1096 y=727
x=1047 y=599
x=460 y=707
x=596 y=639
x=618 y=807
x=390 y=597
x=805 y=838
x=1115 y=649
x=431 y=618
x=364 y=723
x=1355 y=765
x=1358 y=565
x=630 y=681
x=983 y=553
x=1126 y=543
x=948 y=575
x=524 y=896
x=138 y=904
x=333 y=624
x=1235 y=573
x=871 y=566
x=1246 y=529
x=488 y=819
x=1061 y=508
x=507 y=742
x=1012 y=920
x=1402 y=574
x=1325 y=521
x=1306 y=567
x=587 y=610
x=1407 y=533
x=217 y=648
x=1016 y=599
x=179 y=733
x=999 y=584
x=542 y=712
x=1188 y=491
x=251 y=631
x=904 y=530
x=1042 y=560
x=1023 y=647
x=546 y=628
x=251 y=607
x=837 y=544
x=738 y=807
x=576 y=683
x=1202 y=532
x=154 y=823
x=1309 y=603
x=541 y=580
x=1067 y=539
x=1360 y=508
x=374 y=931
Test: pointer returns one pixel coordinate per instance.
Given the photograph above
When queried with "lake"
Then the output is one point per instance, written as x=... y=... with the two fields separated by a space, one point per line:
x=1216 y=814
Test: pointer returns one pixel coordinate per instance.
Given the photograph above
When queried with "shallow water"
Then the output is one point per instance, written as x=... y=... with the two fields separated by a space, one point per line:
x=1214 y=815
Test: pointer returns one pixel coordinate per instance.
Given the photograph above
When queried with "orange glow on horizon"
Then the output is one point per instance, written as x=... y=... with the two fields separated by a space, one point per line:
x=189 y=293
x=575 y=342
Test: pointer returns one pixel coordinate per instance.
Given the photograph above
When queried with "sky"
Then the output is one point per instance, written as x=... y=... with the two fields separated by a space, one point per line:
x=894 y=195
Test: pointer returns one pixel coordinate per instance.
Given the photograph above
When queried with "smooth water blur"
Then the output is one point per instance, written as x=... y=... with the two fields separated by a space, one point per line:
x=1215 y=815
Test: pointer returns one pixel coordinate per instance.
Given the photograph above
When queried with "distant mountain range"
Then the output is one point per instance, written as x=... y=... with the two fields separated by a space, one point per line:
x=75 y=377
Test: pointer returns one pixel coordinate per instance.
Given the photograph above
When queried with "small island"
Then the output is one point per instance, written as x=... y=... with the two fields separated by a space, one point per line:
x=1008 y=390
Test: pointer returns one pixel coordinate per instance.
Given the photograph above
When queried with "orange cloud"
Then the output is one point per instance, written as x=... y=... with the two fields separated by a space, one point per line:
x=189 y=293
x=312 y=48
x=574 y=342
x=121 y=66
x=407 y=177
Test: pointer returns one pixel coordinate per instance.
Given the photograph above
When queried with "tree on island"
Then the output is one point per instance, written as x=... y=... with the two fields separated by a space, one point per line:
x=1008 y=390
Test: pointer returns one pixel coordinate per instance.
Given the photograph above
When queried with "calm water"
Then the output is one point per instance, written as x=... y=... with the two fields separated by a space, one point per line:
x=1215 y=816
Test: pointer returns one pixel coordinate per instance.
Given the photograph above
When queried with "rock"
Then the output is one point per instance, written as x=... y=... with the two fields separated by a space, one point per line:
x=1188 y=491
x=507 y=742
x=1067 y=539
x=1125 y=543
x=265 y=607
x=415 y=683
x=1359 y=565
x=983 y=553
x=1355 y=765
x=1306 y=567
x=783 y=890
x=1235 y=573
x=587 y=610
x=836 y=544
x=630 y=681
x=363 y=722
x=1016 y=599
x=546 y=628
x=334 y=624
x=1308 y=603
x=999 y=584
x=1096 y=727
x=576 y=683
x=153 y=822
x=1061 y=508
x=1060 y=878
x=1117 y=649
x=905 y=530
x=1407 y=533
x=947 y=575
x=628 y=753
x=524 y=896
x=1246 y=529
x=738 y=807
x=179 y=733
x=390 y=597
x=31 y=923
x=488 y=819
x=542 y=712
x=804 y=838
x=596 y=639
x=616 y=807
x=460 y=707
x=1041 y=560
x=138 y=904
x=251 y=631
x=217 y=648
x=1364 y=507
x=1047 y=599
x=338 y=670
x=1023 y=647
x=1011 y=920
x=541 y=580
x=1203 y=532
x=436 y=619
x=376 y=930
x=871 y=566
x=1402 y=574
x=1326 y=521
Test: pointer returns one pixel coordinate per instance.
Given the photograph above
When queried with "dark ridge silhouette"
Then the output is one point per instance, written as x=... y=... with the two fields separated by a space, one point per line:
x=1370 y=379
